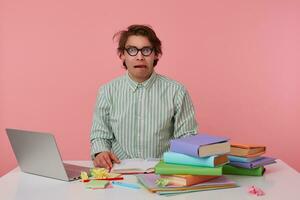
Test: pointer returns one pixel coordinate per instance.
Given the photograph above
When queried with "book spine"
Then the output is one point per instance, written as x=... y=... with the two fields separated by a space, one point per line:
x=228 y=169
x=178 y=158
x=254 y=164
x=239 y=159
x=184 y=148
x=170 y=169
x=241 y=164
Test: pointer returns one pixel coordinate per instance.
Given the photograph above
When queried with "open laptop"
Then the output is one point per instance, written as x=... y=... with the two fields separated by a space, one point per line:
x=37 y=153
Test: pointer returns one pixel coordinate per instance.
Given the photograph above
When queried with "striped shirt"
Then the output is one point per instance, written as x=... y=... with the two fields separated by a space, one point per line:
x=137 y=120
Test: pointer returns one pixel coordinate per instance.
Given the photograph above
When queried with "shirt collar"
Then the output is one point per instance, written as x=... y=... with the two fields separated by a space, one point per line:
x=147 y=84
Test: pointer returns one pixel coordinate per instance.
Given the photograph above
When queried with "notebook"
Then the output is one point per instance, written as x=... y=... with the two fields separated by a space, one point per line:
x=135 y=166
x=149 y=181
x=37 y=153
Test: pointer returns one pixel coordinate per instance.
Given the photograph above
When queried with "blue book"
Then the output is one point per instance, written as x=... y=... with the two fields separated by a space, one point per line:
x=183 y=159
x=254 y=164
x=242 y=159
x=200 y=145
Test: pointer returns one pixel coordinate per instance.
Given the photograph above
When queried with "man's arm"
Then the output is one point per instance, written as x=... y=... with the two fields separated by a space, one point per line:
x=101 y=132
x=185 y=123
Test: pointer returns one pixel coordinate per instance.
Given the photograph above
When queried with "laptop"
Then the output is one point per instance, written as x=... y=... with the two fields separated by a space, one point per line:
x=37 y=153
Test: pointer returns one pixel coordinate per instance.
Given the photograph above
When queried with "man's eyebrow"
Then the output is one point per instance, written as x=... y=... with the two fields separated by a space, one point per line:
x=128 y=46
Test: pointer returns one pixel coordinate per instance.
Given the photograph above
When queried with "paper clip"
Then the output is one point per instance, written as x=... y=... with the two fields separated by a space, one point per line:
x=127 y=185
x=255 y=191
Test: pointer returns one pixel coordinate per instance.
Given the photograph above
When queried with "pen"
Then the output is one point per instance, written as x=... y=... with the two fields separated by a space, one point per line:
x=128 y=185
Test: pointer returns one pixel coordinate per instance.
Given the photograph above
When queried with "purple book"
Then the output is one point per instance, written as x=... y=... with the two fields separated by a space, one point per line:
x=254 y=164
x=190 y=145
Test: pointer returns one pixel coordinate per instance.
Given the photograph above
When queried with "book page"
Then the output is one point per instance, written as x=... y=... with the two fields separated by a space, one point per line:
x=135 y=164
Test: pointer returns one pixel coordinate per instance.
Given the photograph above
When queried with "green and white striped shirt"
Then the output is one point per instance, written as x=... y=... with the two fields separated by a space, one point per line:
x=137 y=120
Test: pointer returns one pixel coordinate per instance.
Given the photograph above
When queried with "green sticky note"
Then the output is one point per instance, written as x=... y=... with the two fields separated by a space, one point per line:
x=96 y=184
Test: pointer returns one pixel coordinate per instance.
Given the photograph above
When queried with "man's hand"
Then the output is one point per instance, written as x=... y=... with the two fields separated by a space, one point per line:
x=105 y=159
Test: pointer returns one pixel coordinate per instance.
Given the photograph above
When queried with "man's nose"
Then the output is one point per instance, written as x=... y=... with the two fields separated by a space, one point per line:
x=140 y=56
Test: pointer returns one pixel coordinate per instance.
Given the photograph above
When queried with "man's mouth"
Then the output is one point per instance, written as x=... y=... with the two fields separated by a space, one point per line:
x=140 y=66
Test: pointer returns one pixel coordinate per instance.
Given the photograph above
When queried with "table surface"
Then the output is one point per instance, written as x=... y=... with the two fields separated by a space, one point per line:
x=279 y=182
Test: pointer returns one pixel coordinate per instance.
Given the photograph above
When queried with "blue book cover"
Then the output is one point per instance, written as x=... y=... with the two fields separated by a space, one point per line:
x=190 y=145
x=242 y=159
x=183 y=159
x=254 y=164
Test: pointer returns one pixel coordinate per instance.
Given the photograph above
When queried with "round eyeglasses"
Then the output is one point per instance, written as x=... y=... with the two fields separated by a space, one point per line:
x=133 y=51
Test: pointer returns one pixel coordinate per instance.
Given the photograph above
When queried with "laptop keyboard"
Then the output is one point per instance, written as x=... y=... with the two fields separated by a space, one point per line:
x=73 y=171
x=75 y=167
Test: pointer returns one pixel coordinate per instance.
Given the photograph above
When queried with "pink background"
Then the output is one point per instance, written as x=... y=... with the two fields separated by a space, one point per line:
x=239 y=60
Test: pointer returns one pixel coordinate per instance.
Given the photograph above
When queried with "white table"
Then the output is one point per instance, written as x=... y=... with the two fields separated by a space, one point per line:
x=279 y=182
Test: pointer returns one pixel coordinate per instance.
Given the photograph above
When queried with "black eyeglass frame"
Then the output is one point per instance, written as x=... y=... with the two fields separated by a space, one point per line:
x=141 y=50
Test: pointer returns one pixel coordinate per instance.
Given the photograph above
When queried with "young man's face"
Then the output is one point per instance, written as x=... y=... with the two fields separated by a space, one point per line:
x=139 y=66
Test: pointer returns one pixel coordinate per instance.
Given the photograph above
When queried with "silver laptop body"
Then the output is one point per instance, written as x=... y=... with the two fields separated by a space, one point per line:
x=37 y=153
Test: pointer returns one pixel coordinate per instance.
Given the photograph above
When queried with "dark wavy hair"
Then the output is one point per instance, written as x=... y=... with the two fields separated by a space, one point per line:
x=140 y=30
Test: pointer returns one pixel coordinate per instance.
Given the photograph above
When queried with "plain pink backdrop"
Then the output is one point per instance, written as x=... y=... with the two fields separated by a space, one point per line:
x=239 y=60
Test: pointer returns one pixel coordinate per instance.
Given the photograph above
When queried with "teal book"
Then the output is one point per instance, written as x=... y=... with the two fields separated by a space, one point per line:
x=228 y=169
x=183 y=159
x=170 y=169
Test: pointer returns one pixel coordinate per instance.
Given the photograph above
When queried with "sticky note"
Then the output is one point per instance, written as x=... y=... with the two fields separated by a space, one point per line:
x=99 y=173
x=84 y=176
x=96 y=184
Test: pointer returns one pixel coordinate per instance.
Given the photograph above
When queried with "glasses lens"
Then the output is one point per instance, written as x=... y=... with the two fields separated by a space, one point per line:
x=132 y=51
x=146 y=51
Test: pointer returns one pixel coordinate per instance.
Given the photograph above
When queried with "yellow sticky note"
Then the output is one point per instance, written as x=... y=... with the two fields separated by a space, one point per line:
x=113 y=175
x=84 y=176
x=99 y=173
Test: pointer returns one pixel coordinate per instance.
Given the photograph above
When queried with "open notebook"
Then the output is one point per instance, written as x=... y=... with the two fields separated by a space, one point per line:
x=135 y=166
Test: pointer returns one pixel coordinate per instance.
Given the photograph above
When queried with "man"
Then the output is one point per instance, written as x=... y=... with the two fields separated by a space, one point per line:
x=137 y=114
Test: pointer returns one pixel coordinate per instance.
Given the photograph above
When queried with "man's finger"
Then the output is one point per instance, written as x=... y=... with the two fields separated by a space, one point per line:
x=114 y=157
x=96 y=162
x=107 y=159
x=103 y=162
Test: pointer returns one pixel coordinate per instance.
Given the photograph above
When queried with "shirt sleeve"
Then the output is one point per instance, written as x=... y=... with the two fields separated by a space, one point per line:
x=101 y=133
x=184 y=120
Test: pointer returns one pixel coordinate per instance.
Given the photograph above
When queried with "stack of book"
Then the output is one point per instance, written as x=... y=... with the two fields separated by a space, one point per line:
x=193 y=163
x=247 y=160
x=200 y=154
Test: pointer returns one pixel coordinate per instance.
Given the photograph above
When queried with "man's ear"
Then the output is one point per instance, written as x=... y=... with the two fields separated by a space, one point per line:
x=122 y=57
x=156 y=57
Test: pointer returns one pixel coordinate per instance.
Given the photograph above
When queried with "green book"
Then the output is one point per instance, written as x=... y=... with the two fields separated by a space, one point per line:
x=228 y=169
x=170 y=169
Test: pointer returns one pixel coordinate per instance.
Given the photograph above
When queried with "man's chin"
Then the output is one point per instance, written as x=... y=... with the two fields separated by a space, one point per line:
x=140 y=77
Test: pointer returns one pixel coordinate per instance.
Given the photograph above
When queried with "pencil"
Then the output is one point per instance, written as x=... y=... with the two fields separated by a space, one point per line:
x=110 y=179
